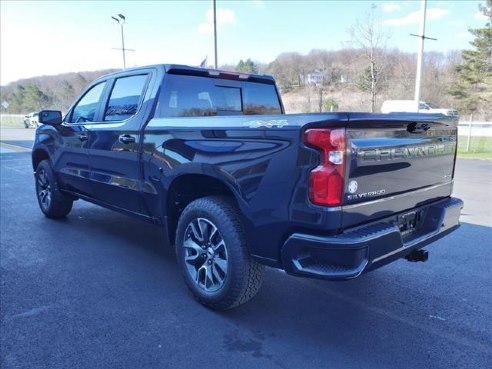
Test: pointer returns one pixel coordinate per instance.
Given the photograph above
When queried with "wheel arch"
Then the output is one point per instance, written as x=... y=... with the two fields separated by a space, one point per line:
x=189 y=187
x=38 y=155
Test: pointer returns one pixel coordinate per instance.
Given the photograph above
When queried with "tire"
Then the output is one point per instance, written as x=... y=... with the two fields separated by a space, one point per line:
x=52 y=202
x=213 y=255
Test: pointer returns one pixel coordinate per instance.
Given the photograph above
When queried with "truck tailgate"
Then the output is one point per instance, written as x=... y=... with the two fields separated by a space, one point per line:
x=395 y=164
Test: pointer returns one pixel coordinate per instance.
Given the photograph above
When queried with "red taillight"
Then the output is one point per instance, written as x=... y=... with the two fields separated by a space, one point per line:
x=326 y=180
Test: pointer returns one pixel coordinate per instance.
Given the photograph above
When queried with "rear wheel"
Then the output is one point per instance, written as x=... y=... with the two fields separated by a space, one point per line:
x=213 y=254
x=52 y=202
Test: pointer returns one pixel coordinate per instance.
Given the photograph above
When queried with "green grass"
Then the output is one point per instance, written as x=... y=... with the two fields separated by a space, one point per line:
x=480 y=147
x=12 y=120
x=475 y=155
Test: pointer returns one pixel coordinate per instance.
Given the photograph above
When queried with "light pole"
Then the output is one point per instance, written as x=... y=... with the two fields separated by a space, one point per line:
x=215 y=32
x=420 y=54
x=121 y=21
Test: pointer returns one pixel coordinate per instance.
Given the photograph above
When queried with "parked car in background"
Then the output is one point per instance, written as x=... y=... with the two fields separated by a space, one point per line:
x=408 y=106
x=31 y=120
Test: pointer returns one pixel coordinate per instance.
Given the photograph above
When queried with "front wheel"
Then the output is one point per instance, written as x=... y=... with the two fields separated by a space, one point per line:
x=213 y=255
x=52 y=202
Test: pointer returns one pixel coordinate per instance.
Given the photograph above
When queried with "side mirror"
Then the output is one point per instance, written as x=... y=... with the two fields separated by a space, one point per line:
x=51 y=117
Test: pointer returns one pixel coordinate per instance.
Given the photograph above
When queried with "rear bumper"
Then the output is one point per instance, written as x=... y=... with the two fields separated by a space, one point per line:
x=359 y=250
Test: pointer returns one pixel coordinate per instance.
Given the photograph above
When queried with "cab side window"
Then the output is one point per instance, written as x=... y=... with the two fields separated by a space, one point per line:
x=125 y=98
x=87 y=107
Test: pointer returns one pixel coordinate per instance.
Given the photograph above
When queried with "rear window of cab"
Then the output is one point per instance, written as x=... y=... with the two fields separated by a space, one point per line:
x=191 y=96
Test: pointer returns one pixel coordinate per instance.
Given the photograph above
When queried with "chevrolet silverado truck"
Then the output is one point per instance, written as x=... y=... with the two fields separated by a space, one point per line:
x=236 y=184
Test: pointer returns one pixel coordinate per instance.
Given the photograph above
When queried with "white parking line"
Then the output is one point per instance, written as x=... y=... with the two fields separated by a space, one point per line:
x=4 y=150
x=12 y=148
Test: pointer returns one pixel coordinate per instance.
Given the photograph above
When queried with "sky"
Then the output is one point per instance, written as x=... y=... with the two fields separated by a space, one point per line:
x=52 y=37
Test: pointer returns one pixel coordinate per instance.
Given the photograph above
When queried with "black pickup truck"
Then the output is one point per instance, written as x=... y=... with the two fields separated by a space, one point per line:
x=236 y=184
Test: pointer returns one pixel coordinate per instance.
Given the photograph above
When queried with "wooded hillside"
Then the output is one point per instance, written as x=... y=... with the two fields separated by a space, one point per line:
x=339 y=82
x=358 y=78
x=47 y=92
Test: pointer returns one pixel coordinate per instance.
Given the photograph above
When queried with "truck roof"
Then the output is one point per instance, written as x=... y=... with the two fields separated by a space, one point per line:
x=203 y=72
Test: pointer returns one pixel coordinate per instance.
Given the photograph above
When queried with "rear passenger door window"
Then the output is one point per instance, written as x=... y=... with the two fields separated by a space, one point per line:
x=88 y=105
x=125 y=98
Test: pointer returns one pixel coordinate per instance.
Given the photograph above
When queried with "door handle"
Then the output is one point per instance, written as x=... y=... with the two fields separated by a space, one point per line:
x=83 y=137
x=127 y=139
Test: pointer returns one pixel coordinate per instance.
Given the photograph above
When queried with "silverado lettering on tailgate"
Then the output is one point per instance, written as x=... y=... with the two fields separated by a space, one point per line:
x=405 y=152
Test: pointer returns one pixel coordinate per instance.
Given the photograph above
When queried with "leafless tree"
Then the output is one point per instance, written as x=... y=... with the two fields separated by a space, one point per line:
x=369 y=35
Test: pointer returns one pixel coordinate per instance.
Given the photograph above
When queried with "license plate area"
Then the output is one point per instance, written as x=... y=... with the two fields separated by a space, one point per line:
x=409 y=222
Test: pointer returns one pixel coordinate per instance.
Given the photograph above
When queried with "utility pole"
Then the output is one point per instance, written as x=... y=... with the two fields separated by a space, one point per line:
x=420 y=55
x=121 y=20
x=123 y=43
x=215 y=33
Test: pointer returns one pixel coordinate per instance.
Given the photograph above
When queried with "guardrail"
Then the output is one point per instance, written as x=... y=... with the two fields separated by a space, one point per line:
x=481 y=129
x=12 y=119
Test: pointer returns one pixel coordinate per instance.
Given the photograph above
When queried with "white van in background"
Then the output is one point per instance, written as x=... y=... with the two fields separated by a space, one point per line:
x=408 y=106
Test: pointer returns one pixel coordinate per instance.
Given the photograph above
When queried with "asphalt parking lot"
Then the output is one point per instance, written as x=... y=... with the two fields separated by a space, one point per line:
x=101 y=290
